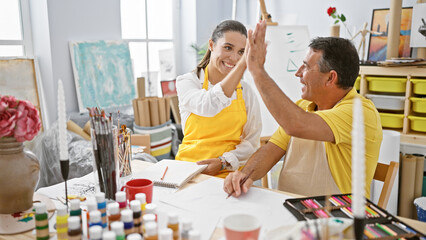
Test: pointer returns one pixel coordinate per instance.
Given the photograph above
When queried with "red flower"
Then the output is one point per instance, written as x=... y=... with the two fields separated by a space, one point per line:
x=18 y=119
x=331 y=10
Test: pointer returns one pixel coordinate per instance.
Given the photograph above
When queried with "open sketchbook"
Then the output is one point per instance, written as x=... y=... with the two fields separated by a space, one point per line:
x=178 y=172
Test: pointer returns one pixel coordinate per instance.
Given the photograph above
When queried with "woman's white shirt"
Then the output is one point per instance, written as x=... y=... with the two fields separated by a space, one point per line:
x=194 y=99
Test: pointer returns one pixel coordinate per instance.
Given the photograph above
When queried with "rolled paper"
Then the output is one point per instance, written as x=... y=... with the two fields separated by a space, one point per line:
x=358 y=160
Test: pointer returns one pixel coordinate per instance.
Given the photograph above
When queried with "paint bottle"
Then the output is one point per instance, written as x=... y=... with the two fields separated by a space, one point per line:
x=194 y=235
x=113 y=213
x=41 y=221
x=120 y=197
x=173 y=224
x=146 y=219
x=186 y=227
x=62 y=222
x=127 y=219
x=151 y=208
x=142 y=198
x=165 y=234
x=95 y=218
x=134 y=236
x=151 y=231
x=74 y=228
x=100 y=199
x=135 y=206
x=91 y=206
x=109 y=235
x=75 y=210
x=95 y=232
x=118 y=229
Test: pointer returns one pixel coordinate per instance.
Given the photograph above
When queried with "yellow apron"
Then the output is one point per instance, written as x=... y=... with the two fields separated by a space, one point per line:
x=210 y=137
x=305 y=169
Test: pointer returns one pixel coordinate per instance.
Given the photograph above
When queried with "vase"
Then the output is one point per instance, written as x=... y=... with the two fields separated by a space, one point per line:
x=335 y=30
x=19 y=174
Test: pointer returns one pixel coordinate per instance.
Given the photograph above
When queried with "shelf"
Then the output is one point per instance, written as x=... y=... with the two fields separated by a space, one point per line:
x=407 y=135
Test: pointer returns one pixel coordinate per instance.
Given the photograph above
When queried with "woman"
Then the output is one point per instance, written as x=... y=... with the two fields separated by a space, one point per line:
x=220 y=115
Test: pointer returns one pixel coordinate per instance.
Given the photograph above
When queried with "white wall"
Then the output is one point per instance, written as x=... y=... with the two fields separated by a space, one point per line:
x=56 y=22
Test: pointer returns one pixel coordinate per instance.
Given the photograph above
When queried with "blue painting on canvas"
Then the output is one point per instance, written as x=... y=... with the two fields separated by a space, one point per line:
x=103 y=73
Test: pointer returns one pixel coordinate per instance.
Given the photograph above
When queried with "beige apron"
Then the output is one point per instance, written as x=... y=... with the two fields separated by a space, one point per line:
x=305 y=169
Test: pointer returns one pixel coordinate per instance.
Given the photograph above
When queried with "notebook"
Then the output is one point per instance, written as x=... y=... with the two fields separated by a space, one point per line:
x=178 y=172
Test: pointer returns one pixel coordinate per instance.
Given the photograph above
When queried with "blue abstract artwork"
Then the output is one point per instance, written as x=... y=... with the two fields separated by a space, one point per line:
x=103 y=73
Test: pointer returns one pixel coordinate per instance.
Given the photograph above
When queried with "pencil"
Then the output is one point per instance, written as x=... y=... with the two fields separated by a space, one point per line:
x=164 y=174
x=241 y=183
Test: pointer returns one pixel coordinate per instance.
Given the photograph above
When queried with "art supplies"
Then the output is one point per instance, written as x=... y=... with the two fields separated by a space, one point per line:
x=104 y=150
x=100 y=199
x=74 y=228
x=135 y=206
x=124 y=151
x=118 y=229
x=42 y=221
x=379 y=223
x=178 y=172
x=127 y=219
x=173 y=224
x=62 y=222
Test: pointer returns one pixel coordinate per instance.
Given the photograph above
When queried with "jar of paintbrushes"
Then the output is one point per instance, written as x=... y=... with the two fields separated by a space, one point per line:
x=124 y=154
x=104 y=142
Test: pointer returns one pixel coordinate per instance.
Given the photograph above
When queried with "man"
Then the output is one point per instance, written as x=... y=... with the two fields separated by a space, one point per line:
x=315 y=132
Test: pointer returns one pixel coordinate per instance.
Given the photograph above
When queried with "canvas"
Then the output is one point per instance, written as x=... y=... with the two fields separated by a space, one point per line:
x=103 y=73
x=418 y=35
x=378 y=43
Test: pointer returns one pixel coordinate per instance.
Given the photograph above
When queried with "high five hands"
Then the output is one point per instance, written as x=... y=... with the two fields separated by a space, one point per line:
x=256 y=52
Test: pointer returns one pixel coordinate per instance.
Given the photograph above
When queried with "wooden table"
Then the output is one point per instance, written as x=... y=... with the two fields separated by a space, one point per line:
x=218 y=233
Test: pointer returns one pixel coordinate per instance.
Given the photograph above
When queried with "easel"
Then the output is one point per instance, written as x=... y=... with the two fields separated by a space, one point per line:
x=265 y=14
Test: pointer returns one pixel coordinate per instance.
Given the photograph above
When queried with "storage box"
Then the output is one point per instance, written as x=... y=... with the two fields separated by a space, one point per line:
x=386 y=102
x=419 y=85
x=417 y=123
x=419 y=104
x=357 y=84
x=386 y=84
x=392 y=120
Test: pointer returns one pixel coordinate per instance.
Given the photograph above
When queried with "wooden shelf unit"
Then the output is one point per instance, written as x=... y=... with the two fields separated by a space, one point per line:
x=407 y=135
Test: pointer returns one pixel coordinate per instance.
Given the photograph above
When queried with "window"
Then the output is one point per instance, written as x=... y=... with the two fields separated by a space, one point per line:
x=15 y=29
x=148 y=27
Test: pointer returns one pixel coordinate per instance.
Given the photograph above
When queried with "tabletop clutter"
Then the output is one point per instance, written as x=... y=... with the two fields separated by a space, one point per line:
x=119 y=219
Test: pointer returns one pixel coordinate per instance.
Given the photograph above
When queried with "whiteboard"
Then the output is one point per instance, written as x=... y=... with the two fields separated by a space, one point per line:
x=286 y=50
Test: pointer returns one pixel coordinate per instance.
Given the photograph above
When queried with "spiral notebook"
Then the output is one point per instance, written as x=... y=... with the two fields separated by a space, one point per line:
x=178 y=172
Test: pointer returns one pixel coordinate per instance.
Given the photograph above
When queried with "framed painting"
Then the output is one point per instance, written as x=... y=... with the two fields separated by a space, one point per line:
x=102 y=73
x=378 y=42
x=19 y=77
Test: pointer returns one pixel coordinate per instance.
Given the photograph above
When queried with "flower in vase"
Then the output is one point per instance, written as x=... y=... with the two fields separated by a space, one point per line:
x=18 y=119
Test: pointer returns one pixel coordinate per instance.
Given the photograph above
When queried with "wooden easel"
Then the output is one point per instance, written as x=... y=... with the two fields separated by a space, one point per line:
x=266 y=15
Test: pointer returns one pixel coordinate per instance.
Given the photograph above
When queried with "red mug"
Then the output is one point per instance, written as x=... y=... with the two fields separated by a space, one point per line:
x=241 y=227
x=140 y=185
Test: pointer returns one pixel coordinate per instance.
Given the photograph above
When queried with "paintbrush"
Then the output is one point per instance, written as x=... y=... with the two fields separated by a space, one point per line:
x=241 y=183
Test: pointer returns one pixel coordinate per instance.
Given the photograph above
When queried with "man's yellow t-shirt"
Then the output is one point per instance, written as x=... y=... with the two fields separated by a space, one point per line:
x=339 y=156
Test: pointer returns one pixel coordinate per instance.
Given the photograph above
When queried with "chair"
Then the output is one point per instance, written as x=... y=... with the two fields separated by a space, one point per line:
x=386 y=174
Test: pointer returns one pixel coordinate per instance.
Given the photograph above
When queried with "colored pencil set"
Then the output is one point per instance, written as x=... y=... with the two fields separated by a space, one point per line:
x=392 y=230
x=379 y=223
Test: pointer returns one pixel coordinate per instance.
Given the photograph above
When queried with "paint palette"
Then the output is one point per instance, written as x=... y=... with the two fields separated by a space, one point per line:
x=379 y=223
x=24 y=221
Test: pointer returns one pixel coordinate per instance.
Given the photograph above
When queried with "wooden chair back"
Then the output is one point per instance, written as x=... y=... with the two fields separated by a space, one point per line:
x=386 y=174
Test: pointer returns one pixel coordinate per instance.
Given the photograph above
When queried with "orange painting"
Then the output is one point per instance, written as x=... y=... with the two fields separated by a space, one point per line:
x=378 y=42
